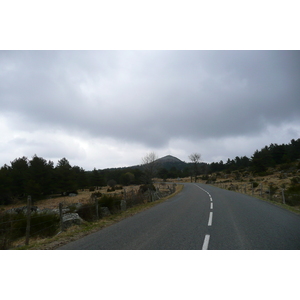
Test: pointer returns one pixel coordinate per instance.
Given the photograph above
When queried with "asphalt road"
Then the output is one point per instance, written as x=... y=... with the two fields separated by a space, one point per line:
x=200 y=217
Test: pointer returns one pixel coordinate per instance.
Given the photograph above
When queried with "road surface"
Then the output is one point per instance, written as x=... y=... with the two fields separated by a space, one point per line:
x=201 y=217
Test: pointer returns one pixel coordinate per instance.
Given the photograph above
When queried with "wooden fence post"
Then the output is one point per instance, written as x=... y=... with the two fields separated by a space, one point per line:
x=123 y=205
x=150 y=195
x=96 y=204
x=28 y=220
x=61 y=217
x=261 y=190
x=283 y=198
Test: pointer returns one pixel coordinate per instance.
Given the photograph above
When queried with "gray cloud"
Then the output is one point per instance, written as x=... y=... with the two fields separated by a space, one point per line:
x=148 y=98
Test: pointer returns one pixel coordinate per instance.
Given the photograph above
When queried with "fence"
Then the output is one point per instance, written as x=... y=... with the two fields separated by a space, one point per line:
x=269 y=192
x=29 y=221
x=26 y=222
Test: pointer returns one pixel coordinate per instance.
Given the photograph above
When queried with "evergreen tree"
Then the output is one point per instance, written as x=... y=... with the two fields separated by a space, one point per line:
x=64 y=176
x=5 y=185
x=19 y=176
x=40 y=177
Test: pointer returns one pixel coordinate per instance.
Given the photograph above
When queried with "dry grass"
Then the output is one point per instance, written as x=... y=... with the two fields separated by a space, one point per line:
x=84 y=196
x=277 y=181
x=76 y=232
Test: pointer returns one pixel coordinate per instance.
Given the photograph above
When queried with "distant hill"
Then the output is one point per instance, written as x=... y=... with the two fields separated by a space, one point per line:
x=166 y=162
x=170 y=161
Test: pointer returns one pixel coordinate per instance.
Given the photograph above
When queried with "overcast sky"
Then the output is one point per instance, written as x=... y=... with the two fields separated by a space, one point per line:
x=102 y=109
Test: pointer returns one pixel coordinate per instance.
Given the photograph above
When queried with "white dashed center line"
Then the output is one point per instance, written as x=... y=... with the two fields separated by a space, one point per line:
x=210 y=219
x=207 y=236
x=206 y=242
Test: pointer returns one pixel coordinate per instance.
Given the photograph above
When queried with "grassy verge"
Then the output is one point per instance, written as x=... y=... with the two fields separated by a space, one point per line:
x=277 y=203
x=285 y=206
x=77 y=232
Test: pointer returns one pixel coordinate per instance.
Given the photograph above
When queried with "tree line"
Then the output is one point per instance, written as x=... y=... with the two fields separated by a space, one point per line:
x=40 y=178
x=261 y=160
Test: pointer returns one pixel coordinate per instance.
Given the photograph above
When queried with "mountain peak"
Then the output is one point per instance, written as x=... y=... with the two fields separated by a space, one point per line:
x=169 y=158
x=170 y=161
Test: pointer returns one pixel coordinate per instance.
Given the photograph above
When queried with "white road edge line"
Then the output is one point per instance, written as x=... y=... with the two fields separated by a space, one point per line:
x=206 y=242
x=211 y=205
x=210 y=219
x=209 y=195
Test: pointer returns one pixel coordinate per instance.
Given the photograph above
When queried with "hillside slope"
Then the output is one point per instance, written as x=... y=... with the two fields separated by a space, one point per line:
x=170 y=161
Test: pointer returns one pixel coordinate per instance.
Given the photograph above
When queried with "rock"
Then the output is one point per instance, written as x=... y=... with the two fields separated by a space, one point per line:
x=75 y=206
x=54 y=210
x=123 y=205
x=105 y=211
x=23 y=210
x=71 y=219
x=11 y=211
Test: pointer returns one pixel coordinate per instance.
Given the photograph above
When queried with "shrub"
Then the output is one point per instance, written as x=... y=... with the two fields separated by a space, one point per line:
x=255 y=184
x=144 y=188
x=292 y=200
x=273 y=189
x=295 y=180
x=13 y=226
x=6 y=199
x=112 y=202
x=111 y=183
x=96 y=194
x=87 y=212
x=134 y=199
x=284 y=167
x=213 y=179
x=44 y=225
x=292 y=195
x=10 y=227
x=237 y=175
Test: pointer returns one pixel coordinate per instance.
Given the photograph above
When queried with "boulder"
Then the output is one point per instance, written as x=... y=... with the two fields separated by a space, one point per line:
x=105 y=211
x=75 y=206
x=54 y=210
x=22 y=210
x=71 y=219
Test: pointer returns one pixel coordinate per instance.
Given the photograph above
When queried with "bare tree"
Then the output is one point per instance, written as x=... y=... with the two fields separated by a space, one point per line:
x=149 y=167
x=195 y=158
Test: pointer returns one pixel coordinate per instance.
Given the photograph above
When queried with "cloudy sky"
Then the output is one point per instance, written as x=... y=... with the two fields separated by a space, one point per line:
x=110 y=108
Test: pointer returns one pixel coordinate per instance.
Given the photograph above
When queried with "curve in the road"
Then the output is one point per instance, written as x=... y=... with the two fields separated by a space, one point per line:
x=210 y=218
x=189 y=221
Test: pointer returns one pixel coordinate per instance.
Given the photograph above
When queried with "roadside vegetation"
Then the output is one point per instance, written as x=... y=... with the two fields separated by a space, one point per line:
x=272 y=174
x=53 y=239
x=97 y=196
x=279 y=184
